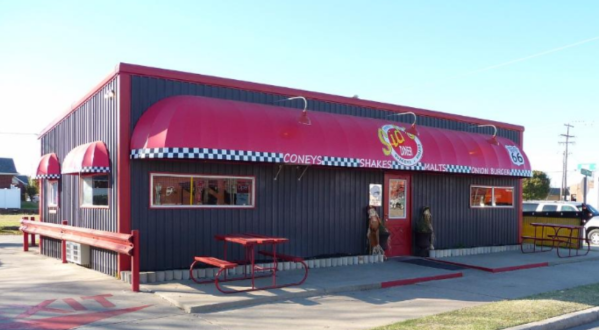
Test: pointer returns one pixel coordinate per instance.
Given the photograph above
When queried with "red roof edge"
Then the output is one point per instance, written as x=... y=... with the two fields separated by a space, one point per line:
x=141 y=70
x=77 y=104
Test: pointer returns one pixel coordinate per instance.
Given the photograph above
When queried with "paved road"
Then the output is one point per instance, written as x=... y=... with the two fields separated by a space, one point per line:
x=590 y=326
x=40 y=292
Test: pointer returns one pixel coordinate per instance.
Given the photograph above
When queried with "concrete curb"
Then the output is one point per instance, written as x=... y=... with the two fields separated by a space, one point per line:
x=563 y=322
x=190 y=308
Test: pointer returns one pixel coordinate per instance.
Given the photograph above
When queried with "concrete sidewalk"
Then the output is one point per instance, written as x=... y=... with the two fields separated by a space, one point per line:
x=195 y=298
x=516 y=260
x=40 y=292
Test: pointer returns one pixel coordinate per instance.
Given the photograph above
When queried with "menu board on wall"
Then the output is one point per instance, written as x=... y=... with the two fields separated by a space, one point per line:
x=376 y=195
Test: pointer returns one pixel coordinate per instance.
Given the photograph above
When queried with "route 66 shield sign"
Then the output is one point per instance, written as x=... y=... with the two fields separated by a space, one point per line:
x=515 y=155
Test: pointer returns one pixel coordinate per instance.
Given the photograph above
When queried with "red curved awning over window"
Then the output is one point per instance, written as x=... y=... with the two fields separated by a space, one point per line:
x=87 y=158
x=193 y=127
x=48 y=167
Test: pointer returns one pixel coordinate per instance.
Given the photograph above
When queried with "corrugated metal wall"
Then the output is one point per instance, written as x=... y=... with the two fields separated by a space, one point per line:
x=95 y=120
x=455 y=223
x=147 y=91
x=324 y=213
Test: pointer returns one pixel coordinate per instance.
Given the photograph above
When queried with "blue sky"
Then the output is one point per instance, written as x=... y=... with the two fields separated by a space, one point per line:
x=422 y=54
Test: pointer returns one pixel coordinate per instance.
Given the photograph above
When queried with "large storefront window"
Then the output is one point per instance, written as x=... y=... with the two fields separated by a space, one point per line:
x=485 y=196
x=94 y=191
x=197 y=191
x=52 y=193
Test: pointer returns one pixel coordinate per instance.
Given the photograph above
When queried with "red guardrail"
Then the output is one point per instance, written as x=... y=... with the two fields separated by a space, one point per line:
x=127 y=244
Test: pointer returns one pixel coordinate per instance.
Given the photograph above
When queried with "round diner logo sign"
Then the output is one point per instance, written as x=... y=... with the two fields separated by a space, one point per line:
x=406 y=148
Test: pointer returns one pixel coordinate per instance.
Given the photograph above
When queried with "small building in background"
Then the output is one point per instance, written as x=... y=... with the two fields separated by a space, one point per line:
x=7 y=172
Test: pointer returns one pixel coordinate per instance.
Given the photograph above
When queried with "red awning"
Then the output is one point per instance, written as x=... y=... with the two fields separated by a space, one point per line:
x=48 y=168
x=193 y=127
x=87 y=158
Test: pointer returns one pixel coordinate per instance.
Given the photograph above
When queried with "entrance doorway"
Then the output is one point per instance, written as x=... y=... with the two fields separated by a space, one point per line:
x=397 y=214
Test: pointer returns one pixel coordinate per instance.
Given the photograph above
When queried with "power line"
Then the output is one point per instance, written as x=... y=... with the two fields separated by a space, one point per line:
x=17 y=133
x=522 y=59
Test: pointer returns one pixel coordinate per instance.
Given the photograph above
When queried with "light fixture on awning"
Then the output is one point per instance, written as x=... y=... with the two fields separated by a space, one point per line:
x=493 y=139
x=303 y=119
x=412 y=129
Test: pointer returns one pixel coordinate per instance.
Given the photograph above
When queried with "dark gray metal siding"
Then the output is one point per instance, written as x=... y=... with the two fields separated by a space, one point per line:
x=95 y=120
x=147 y=91
x=455 y=223
x=324 y=213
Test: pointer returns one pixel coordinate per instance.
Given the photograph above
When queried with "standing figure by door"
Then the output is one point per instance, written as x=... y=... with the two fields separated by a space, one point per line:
x=425 y=234
x=375 y=226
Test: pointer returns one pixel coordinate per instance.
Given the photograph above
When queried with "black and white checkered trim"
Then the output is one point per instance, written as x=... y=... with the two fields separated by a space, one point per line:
x=521 y=173
x=417 y=167
x=340 y=161
x=273 y=157
x=206 y=153
x=48 y=176
x=95 y=169
x=459 y=169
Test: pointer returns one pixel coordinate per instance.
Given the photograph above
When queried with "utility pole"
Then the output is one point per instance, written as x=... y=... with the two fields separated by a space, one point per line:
x=565 y=174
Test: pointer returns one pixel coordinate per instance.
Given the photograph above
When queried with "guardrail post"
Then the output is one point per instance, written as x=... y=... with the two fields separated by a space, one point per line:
x=135 y=262
x=32 y=235
x=25 y=238
x=64 y=245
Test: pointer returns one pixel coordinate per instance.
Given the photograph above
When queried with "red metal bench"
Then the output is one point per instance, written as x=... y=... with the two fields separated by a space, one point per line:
x=223 y=265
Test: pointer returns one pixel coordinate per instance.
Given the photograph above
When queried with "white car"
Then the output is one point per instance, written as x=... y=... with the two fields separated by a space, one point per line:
x=590 y=219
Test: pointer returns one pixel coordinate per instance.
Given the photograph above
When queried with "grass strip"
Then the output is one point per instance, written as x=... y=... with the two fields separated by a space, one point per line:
x=9 y=224
x=508 y=313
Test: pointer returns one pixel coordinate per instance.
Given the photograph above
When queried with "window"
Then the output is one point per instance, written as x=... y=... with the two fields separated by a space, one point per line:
x=52 y=193
x=529 y=207
x=94 y=191
x=549 y=208
x=397 y=199
x=201 y=191
x=491 y=197
x=568 y=208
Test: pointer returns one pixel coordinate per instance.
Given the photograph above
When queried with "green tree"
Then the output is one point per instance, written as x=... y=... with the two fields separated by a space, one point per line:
x=32 y=188
x=536 y=187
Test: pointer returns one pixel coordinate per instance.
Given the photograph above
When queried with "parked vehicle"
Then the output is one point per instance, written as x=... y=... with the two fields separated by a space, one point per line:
x=590 y=216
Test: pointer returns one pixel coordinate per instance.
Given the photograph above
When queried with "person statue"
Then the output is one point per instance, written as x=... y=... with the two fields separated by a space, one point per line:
x=425 y=226
x=375 y=226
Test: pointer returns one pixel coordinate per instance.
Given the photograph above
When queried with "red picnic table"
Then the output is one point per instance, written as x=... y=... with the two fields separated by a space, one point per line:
x=249 y=242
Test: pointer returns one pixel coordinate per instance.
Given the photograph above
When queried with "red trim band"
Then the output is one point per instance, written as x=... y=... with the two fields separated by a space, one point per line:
x=410 y=281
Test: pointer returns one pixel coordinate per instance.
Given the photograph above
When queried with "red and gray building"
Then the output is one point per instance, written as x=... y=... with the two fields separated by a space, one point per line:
x=182 y=157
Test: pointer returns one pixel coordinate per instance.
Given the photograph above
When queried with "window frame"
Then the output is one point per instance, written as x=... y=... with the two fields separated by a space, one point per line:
x=201 y=206
x=492 y=197
x=91 y=206
x=49 y=183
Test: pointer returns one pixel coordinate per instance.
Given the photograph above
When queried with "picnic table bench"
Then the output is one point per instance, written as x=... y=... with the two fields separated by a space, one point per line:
x=548 y=236
x=249 y=242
